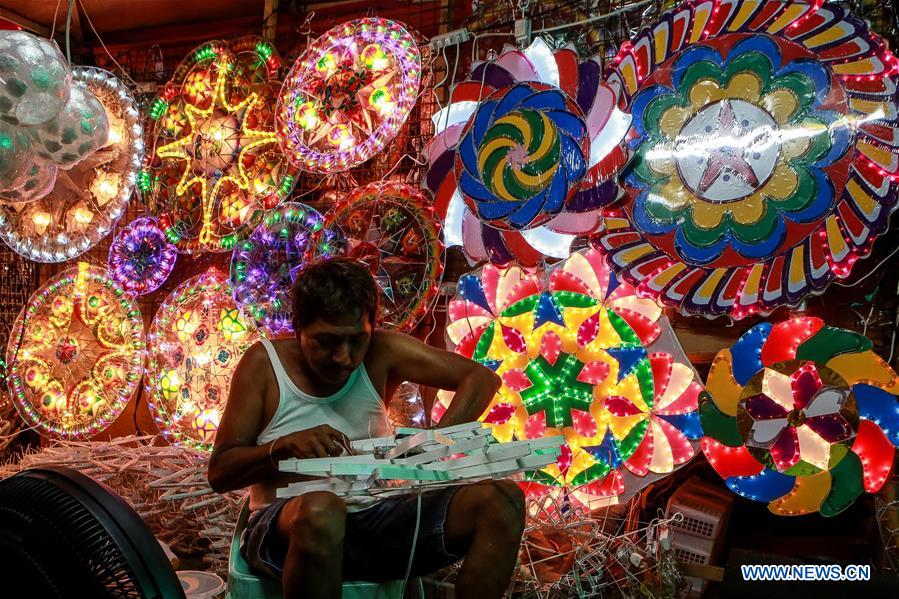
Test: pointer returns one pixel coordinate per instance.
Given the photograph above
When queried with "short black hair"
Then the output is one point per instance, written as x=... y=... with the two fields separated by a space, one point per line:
x=331 y=288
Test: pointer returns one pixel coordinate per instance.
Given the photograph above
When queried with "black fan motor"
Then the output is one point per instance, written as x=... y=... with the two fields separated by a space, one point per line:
x=62 y=534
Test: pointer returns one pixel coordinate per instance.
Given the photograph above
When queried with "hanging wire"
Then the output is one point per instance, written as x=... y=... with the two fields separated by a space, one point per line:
x=105 y=49
x=69 y=31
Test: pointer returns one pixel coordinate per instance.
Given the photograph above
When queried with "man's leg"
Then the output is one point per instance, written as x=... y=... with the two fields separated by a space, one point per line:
x=485 y=521
x=313 y=525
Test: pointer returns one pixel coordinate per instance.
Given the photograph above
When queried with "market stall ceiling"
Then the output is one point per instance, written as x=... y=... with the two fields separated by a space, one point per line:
x=115 y=16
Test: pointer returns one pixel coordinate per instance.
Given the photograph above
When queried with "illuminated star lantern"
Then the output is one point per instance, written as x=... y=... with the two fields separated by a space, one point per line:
x=264 y=267
x=76 y=354
x=348 y=94
x=581 y=355
x=523 y=155
x=391 y=227
x=140 y=257
x=196 y=340
x=216 y=167
x=801 y=416
x=763 y=166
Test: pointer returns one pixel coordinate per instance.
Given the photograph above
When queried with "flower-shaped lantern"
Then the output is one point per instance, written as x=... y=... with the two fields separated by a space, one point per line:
x=801 y=416
x=581 y=355
x=762 y=169
x=523 y=156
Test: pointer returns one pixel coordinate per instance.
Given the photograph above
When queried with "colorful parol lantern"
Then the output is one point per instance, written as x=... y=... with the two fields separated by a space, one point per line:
x=348 y=94
x=391 y=227
x=264 y=267
x=196 y=340
x=523 y=155
x=215 y=167
x=76 y=354
x=141 y=257
x=801 y=416
x=581 y=355
x=765 y=154
x=82 y=178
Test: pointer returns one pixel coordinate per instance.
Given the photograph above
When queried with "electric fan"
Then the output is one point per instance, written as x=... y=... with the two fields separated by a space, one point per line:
x=65 y=535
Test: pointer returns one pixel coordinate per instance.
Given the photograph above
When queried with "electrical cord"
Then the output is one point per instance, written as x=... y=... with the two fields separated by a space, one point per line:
x=414 y=543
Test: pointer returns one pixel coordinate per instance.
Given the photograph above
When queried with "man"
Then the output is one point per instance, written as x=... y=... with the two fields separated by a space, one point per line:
x=307 y=397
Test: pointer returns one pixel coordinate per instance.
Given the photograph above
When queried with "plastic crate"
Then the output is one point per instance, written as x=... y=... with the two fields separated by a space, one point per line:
x=697 y=538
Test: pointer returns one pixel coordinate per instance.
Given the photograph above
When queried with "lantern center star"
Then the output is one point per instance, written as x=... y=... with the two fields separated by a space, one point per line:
x=556 y=390
x=728 y=150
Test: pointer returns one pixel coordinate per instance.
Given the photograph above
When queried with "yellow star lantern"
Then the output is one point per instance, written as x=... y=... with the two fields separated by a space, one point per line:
x=216 y=168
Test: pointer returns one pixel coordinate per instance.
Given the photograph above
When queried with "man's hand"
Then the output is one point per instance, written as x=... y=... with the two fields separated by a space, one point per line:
x=322 y=441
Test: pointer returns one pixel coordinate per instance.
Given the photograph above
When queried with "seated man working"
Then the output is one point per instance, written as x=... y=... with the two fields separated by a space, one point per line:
x=307 y=397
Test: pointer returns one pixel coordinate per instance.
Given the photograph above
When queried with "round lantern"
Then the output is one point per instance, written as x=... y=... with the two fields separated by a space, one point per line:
x=348 y=94
x=523 y=155
x=762 y=169
x=140 y=257
x=76 y=354
x=263 y=267
x=391 y=227
x=196 y=340
x=582 y=356
x=215 y=167
x=77 y=190
x=801 y=416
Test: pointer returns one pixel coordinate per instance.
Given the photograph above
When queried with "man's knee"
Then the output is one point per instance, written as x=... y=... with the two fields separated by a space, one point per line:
x=501 y=506
x=318 y=520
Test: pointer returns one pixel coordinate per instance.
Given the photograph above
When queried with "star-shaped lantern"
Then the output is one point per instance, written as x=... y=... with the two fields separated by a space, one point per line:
x=580 y=355
x=216 y=167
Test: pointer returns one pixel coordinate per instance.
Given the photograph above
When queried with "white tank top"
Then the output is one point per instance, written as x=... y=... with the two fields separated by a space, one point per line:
x=356 y=410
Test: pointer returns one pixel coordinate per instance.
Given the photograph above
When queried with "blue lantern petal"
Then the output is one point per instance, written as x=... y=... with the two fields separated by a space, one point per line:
x=527 y=211
x=573 y=159
x=688 y=424
x=472 y=290
x=746 y=353
x=757 y=43
x=765 y=486
x=557 y=192
x=545 y=100
x=482 y=121
x=880 y=407
x=568 y=123
x=511 y=100
x=472 y=187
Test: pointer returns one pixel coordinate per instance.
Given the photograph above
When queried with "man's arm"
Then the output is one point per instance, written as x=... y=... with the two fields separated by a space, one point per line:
x=237 y=461
x=411 y=360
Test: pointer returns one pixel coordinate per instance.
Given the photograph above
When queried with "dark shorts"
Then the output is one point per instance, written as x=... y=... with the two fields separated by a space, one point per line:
x=376 y=544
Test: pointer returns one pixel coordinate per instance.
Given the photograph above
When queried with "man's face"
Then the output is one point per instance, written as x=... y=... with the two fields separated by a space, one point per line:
x=334 y=348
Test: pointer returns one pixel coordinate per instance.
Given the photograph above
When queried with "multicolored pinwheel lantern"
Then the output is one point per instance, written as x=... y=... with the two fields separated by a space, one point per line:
x=523 y=154
x=348 y=94
x=196 y=340
x=215 y=167
x=801 y=416
x=391 y=227
x=764 y=160
x=581 y=355
x=263 y=267
x=76 y=354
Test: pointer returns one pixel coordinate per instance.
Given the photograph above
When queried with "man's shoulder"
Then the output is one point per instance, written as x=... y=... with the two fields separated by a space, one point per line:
x=384 y=339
